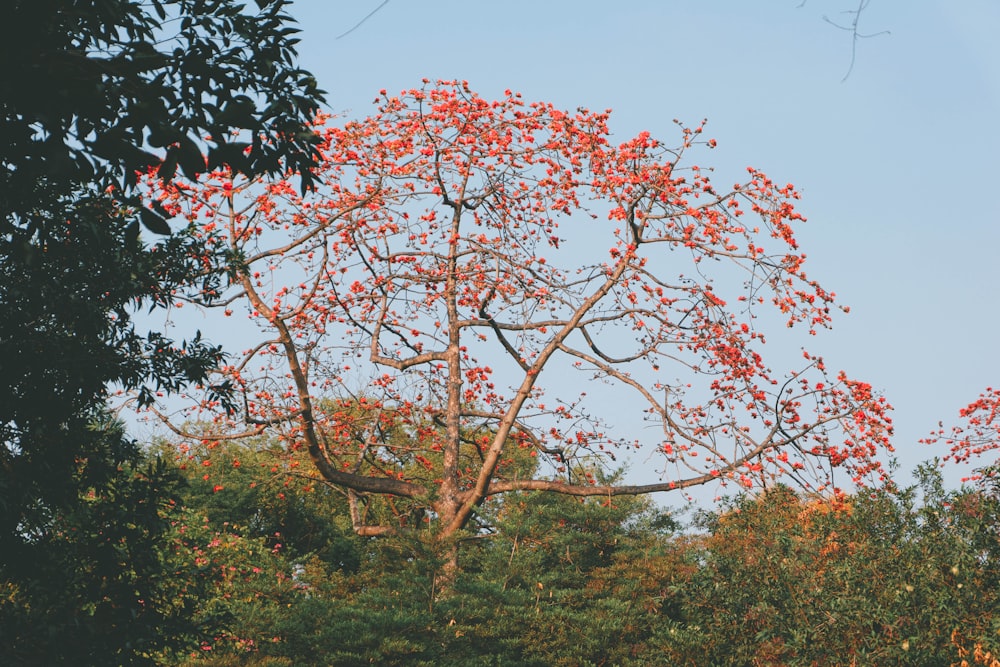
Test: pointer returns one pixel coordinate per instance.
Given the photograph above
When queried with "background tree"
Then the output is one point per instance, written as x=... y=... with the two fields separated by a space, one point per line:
x=431 y=274
x=272 y=550
x=874 y=578
x=780 y=577
x=558 y=583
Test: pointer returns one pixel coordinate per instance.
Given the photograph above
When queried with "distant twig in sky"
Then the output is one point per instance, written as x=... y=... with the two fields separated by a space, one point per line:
x=853 y=29
x=358 y=24
x=855 y=35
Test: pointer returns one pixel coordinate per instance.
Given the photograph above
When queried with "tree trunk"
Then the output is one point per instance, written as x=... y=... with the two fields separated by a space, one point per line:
x=447 y=572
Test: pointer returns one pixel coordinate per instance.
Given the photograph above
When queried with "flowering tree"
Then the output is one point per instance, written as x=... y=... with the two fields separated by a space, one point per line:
x=979 y=433
x=485 y=297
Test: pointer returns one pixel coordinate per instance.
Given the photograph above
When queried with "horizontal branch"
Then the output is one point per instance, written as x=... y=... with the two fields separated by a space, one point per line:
x=584 y=490
x=188 y=435
x=366 y=484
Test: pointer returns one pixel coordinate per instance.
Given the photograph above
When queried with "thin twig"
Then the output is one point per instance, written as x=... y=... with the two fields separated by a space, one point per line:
x=855 y=35
x=358 y=24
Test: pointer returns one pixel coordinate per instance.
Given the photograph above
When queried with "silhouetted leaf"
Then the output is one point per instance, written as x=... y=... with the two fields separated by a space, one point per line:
x=154 y=222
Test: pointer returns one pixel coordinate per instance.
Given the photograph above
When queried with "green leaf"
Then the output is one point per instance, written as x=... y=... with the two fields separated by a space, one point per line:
x=229 y=154
x=238 y=113
x=132 y=232
x=190 y=157
x=154 y=222
x=169 y=165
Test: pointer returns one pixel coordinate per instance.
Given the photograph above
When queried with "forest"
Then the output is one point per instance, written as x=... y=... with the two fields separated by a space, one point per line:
x=448 y=383
x=257 y=564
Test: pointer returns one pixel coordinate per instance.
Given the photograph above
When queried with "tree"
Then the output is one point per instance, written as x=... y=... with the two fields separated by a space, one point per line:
x=562 y=580
x=72 y=263
x=977 y=436
x=103 y=586
x=429 y=278
x=877 y=577
x=66 y=333
x=773 y=577
x=124 y=78
x=95 y=91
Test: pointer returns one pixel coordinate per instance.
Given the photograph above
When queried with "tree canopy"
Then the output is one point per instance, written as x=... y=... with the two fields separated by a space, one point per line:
x=462 y=257
x=902 y=576
x=109 y=88
x=95 y=91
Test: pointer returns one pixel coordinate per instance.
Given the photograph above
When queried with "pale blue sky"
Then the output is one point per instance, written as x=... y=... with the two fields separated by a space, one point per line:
x=898 y=164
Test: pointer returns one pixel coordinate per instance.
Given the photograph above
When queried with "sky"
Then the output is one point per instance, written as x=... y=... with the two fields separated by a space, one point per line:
x=897 y=163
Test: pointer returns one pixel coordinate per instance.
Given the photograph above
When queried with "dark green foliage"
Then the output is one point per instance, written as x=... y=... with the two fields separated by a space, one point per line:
x=66 y=294
x=881 y=578
x=94 y=584
x=91 y=86
x=780 y=579
x=71 y=563
x=554 y=585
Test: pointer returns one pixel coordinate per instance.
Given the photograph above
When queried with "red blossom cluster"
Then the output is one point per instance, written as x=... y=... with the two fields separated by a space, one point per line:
x=978 y=435
x=449 y=230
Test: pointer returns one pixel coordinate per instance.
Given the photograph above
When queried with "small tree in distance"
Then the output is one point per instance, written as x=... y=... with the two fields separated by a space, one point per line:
x=464 y=261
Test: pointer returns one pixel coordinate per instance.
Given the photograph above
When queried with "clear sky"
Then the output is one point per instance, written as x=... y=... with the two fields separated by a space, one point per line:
x=898 y=165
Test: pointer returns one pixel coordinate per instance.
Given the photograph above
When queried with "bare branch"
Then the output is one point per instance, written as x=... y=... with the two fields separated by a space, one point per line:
x=359 y=23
